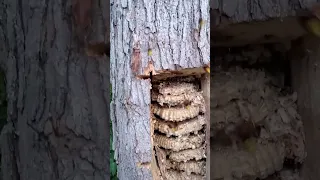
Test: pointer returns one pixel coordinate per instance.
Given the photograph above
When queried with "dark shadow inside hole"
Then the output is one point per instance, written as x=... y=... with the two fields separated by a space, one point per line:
x=276 y=65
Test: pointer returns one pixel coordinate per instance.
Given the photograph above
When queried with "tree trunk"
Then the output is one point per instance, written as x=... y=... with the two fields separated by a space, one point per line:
x=58 y=124
x=168 y=29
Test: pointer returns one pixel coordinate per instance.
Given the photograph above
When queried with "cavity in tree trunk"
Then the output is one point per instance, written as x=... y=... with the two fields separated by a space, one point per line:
x=58 y=123
x=174 y=34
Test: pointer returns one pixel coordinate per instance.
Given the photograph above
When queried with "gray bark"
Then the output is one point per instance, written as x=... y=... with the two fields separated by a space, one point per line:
x=168 y=28
x=58 y=124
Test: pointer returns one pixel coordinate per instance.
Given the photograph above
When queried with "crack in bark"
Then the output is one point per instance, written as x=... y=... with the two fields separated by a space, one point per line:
x=13 y=118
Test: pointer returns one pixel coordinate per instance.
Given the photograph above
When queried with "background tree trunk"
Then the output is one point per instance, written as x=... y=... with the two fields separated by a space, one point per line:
x=169 y=29
x=58 y=123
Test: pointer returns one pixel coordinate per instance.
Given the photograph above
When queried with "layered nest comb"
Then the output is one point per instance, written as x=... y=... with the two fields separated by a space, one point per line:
x=179 y=129
x=255 y=126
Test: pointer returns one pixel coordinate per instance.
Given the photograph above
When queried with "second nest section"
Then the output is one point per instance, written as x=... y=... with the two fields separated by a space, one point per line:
x=254 y=126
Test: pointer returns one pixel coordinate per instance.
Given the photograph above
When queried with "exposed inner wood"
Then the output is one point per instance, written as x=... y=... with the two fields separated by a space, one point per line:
x=205 y=87
x=165 y=74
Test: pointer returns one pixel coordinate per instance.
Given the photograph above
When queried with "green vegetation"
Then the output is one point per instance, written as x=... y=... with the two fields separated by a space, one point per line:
x=113 y=164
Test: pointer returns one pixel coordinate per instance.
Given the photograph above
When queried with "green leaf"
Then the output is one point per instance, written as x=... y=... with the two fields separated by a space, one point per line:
x=114 y=178
x=113 y=168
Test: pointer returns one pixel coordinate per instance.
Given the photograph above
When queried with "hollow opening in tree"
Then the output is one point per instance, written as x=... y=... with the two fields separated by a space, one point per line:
x=261 y=93
x=179 y=124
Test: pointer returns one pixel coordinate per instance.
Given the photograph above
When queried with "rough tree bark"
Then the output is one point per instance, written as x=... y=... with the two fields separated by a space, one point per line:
x=58 y=123
x=169 y=29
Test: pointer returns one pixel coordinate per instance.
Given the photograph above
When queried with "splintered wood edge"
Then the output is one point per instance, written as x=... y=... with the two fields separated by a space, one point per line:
x=165 y=74
x=155 y=171
x=205 y=87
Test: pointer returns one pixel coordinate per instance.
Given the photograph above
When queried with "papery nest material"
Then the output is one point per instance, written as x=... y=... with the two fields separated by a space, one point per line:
x=176 y=175
x=176 y=113
x=188 y=154
x=180 y=128
x=196 y=167
x=178 y=144
x=265 y=160
x=176 y=88
x=174 y=100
